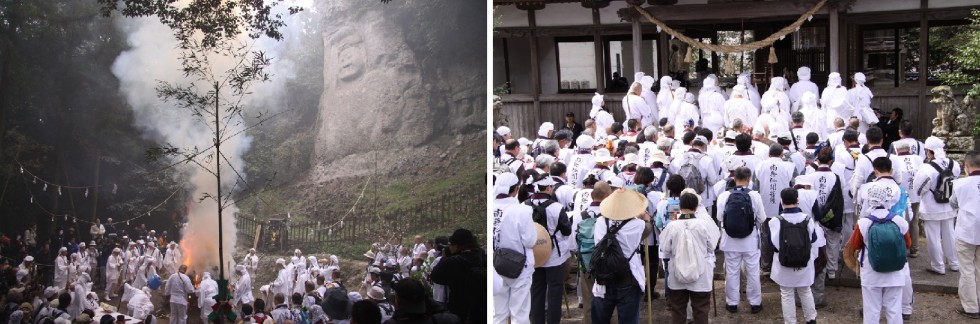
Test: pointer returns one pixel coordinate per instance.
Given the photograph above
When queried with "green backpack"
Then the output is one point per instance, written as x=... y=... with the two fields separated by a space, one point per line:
x=886 y=245
x=585 y=237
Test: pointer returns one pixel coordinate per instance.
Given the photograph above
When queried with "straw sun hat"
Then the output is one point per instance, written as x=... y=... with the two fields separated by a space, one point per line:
x=623 y=204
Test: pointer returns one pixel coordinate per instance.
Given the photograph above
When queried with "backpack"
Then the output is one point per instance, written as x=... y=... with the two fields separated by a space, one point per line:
x=540 y=216
x=609 y=266
x=299 y=316
x=691 y=174
x=738 y=215
x=585 y=237
x=944 y=185
x=830 y=215
x=886 y=245
x=688 y=259
x=671 y=212
x=794 y=243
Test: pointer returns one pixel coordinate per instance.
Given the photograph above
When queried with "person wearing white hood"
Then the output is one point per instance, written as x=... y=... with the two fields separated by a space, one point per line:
x=243 y=287
x=859 y=97
x=113 y=266
x=683 y=109
x=816 y=118
x=146 y=271
x=512 y=229
x=205 y=295
x=936 y=212
x=284 y=279
x=739 y=107
x=751 y=92
x=834 y=99
x=651 y=99
x=712 y=105
x=665 y=97
x=251 y=261
x=777 y=91
x=140 y=305
x=61 y=269
x=802 y=86
x=603 y=119
x=153 y=252
x=545 y=132
x=582 y=162
x=767 y=121
x=81 y=288
x=634 y=106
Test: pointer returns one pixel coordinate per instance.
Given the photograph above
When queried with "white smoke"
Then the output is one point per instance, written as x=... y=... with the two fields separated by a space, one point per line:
x=153 y=56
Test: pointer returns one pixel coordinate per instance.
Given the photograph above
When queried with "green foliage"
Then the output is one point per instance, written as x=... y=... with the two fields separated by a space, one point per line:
x=966 y=56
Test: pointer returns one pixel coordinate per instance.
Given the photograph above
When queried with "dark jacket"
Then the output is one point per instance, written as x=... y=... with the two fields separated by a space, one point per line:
x=465 y=275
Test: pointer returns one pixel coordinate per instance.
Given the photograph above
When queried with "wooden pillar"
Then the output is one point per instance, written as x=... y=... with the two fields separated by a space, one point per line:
x=663 y=49
x=835 y=33
x=535 y=68
x=637 y=43
x=600 y=76
x=923 y=46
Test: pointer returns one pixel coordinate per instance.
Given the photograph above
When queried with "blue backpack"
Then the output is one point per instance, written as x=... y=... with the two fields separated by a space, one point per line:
x=585 y=237
x=886 y=245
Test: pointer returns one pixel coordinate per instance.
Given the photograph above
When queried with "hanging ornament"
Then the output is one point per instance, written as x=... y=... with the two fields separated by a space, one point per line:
x=35 y=179
x=810 y=18
x=32 y=199
x=127 y=223
x=330 y=232
x=658 y=28
x=671 y=36
x=114 y=187
x=341 y=223
x=772 y=56
x=45 y=187
x=52 y=219
x=782 y=37
x=74 y=220
x=86 y=192
x=66 y=217
x=689 y=57
x=21 y=169
x=59 y=191
x=797 y=28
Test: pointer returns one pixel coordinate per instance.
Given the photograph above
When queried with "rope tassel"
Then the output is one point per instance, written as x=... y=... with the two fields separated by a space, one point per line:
x=772 y=56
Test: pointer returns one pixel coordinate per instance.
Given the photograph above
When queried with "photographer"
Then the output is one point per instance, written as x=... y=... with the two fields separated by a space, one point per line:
x=463 y=270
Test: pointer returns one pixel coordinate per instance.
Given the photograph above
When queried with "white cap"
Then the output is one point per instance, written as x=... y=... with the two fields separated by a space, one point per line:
x=503 y=130
x=859 y=77
x=616 y=182
x=730 y=134
x=546 y=181
x=602 y=155
x=630 y=158
x=701 y=139
x=584 y=142
x=28 y=259
x=524 y=141
x=503 y=183
x=803 y=180
x=937 y=146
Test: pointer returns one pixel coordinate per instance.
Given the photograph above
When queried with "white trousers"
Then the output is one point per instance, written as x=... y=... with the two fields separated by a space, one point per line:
x=733 y=267
x=178 y=314
x=970 y=254
x=940 y=244
x=847 y=230
x=513 y=302
x=907 y=296
x=834 y=245
x=788 y=295
x=876 y=298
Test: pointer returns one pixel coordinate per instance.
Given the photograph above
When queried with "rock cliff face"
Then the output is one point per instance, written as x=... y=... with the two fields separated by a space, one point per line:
x=397 y=78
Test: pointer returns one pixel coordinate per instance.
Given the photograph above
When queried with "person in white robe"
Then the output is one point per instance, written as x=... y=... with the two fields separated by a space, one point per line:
x=153 y=252
x=603 y=119
x=833 y=99
x=651 y=99
x=146 y=271
x=751 y=92
x=179 y=286
x=684 y=110
x=634 y=106
x=205 y=295
x=61 y=266
x=859 y=98
x=114 y=266
x=91 y=301
x=739 y=107
x=251 y=261
x=769 y=123
x=132 y=262
x=816 y=118
x=712 y=105
x=171 y=259
x=665 y=97
x=243 y=287
x=138 y=302
x=802 y=86
x=284 y=279
x=777 y=92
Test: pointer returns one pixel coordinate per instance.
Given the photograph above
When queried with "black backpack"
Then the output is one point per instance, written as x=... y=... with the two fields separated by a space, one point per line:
x=794 y=243
x=830 y=215
x=540 y=216
x=944 y=185
x=609 y=266
x=738 y=215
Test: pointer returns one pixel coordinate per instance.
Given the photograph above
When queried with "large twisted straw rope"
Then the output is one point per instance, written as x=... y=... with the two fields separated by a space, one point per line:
x=768 y=41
